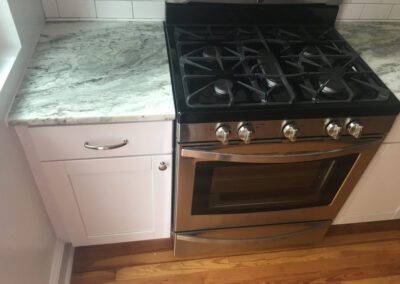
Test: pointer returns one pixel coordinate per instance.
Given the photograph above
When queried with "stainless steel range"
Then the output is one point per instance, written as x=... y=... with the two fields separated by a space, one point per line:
x=278 y=117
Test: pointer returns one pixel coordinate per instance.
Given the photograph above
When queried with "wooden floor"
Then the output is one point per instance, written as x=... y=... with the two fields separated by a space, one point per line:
x=360 y=253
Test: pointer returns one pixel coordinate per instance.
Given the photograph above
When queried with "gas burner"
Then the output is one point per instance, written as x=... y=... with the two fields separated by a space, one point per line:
x=260 y=66
x=223 y=87
x=310 y=51
x=212 y=52
x=331 y=83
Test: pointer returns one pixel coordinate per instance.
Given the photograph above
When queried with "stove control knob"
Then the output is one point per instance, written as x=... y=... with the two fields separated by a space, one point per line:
x=355 y=129
x=222 y=133
x=334 y=129
x=245 y=133
x=290 y=131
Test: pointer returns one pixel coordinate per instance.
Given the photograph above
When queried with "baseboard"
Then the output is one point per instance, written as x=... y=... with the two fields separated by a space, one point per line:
x=61 y=266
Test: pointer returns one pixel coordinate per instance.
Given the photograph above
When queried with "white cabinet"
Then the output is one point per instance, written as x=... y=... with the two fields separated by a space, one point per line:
x=377 y=194
x=113 y=200
x=104 y=196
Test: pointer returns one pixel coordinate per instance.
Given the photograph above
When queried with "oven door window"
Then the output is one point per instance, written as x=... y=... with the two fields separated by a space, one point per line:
x=230 y=188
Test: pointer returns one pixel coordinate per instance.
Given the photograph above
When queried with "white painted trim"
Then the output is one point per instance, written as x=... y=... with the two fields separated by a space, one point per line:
x=65 y=278
x=56 y=264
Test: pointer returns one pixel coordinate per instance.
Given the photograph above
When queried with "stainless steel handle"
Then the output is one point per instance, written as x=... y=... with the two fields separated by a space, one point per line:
x=87 y=145
x=206 y=155
x=290 y=231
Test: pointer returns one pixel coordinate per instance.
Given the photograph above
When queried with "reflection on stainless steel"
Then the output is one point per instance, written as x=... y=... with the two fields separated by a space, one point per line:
x=334 y=130
x=290 y=131
x=355 y=129
x=274 y=152
x=285 y=157
x=87 y=145
x=246 y=133
x=215 y=242
x=193 y=230
x=279 y=151
x=272 y=129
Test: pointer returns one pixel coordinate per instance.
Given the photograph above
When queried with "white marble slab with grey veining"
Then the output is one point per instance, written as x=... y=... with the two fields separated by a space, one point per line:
x=378 y=43
x=96 y=72
x=105 y=72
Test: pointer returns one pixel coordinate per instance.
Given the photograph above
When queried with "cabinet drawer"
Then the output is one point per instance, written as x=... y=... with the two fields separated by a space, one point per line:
x=79 y=142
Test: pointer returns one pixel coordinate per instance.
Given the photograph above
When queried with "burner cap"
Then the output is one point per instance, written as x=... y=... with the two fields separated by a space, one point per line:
x=310 y=51
x=211 y=51
x=222 y=87
x=272 y=82
x=334 y=78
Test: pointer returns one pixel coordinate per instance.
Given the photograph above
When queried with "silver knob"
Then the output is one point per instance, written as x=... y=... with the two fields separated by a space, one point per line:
x=334 y=130
x=222 y=133
x=245 y=133
x=290 y=131
x=162 y=166
x=355 y=129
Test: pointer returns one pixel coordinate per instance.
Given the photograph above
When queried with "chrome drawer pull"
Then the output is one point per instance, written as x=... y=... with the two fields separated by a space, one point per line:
x=107 y=147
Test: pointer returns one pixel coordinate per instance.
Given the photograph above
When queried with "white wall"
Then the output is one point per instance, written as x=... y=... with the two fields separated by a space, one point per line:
x=154 y=9
x=26 y=237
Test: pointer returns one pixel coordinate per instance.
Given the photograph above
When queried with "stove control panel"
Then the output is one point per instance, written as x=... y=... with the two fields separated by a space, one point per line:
x=290 y=131
x=222 y=134
x=334 y=130
x=355 y=129
x=245 y=132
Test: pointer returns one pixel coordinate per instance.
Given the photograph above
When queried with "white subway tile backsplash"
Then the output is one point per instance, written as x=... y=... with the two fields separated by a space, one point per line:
x=375 y=12
x=76 y=8
x=114 y=9
x=155 y=9
x=148 y=9
x=391 y=1
x=350 y=11
x=395 y=13
x=50 y=8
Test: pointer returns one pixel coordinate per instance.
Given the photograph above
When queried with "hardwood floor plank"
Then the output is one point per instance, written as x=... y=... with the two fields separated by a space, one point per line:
x=104 y=262
x=353 y=256
x=318 y=255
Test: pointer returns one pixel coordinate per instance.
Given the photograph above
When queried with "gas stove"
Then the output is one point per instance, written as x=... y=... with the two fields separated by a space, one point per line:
x=277 y=119
x=252 y=63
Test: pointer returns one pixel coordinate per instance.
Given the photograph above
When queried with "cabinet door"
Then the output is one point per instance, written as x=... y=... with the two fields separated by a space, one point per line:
x=112 y=200
x=377 y=194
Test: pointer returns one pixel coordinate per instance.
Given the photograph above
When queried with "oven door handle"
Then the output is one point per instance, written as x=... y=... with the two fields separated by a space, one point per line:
x=206 y=155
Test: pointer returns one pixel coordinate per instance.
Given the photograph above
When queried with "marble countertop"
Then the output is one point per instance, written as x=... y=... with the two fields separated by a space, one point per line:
x=106 y=72
x=96 y=72
x=378 y=43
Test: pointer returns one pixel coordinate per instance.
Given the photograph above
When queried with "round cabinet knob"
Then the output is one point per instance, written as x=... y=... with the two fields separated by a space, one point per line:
x=245 y=133
x=355 y=129
x=290 y=131
x=334 y=130
x=222 y=133
x=162 y=166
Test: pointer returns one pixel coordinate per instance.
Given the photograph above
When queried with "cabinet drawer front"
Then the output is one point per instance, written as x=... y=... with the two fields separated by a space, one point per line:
x=97 y=141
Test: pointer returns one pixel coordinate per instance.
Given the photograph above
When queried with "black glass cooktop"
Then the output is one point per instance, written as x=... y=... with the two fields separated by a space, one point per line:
x=259 y=71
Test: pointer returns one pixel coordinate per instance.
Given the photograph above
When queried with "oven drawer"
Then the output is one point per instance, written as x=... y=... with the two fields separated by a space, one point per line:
x=102 y=141
x=246 y=239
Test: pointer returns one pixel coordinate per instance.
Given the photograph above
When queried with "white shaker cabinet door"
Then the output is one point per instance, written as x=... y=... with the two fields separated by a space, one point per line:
x=113 y=200
x=377 y=194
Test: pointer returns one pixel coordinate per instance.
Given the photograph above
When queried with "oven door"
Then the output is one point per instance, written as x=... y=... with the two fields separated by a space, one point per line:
x=266 y=183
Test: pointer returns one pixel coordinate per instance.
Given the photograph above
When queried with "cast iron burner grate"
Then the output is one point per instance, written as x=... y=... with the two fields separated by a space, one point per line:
x=258 y=65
